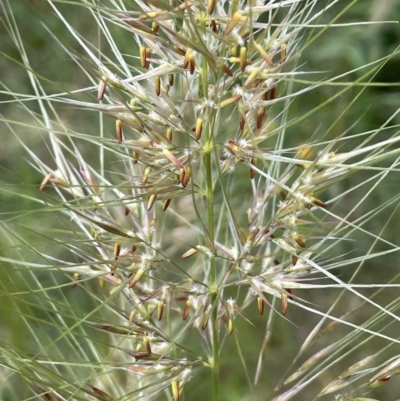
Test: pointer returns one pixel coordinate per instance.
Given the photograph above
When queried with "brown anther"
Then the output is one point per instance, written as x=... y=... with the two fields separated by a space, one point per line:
x=318 y=202
x=264 y=55
x=252 y=171
x=243 y=57
x=180 y=51
x=169 y=134
x=189 y=253
x=186 y=311
x=117 y=250
x=118 y=130
x=230 y=326
x=205 y=320
x=76 y=277
x=102 y=88
x=157 y=85
x=166 y=204
x=145 y=176
x=199 y=128
x=213 y=26
x=172 y=158
x=294 y=259
x=232 y=23
x=229 y=101
x=182 y=173
x=241 y=122
x=283 y=52
x=300 y=241
x=187 y=176
x=260 y=305
x=284 y=303
x=142 y=53
x=136 y=278
x=135 y=156
x=282 y=194
x=151 y=201
x=171 y=79
x=273 y=92
x=260 y=117
x=102 y=283
x=154 y=26
x=127 y=211
x=148 y=55
x=146 y=342
x=160 y=310
x=192 y=63
x=175 y=390
x=211 y=6
x=227 y=70
x=252 y=77
x=133 y=249
x=45 y=181
x=186 y=59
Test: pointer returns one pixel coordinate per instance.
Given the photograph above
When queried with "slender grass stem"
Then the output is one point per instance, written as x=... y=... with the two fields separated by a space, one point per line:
x=208 y=138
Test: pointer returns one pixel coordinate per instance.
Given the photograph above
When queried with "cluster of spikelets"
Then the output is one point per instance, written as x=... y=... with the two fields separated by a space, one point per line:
x=208 y=96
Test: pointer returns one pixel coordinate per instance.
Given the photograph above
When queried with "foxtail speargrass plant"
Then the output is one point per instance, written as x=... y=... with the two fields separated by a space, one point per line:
x=203 y=234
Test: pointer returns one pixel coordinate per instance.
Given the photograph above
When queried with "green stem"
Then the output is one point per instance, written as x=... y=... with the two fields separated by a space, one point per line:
x=208 y=147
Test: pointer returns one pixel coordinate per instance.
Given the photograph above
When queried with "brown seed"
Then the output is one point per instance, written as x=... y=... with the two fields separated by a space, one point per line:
x=118 y=129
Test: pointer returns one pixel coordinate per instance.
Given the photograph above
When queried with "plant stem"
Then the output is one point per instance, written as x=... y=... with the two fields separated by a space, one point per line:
x=208 y=147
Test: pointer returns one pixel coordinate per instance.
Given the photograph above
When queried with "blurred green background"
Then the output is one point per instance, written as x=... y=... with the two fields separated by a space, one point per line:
x=335 y=52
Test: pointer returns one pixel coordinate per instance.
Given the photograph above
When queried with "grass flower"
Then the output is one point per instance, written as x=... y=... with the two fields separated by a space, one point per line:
x=194 y=204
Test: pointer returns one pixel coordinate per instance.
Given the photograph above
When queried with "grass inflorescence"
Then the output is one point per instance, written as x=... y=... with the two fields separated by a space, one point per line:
x=195 y=209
